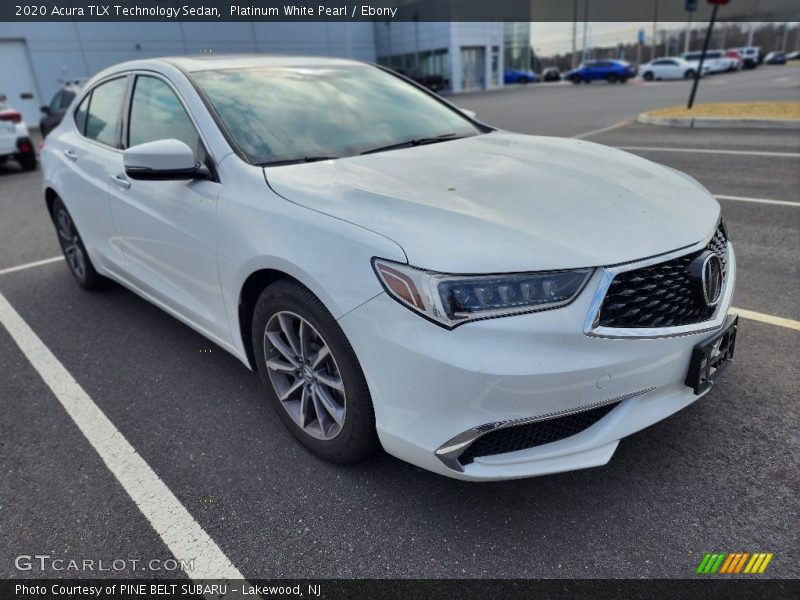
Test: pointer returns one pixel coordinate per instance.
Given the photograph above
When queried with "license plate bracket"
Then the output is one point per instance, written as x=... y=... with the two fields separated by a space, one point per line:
x=712 y=356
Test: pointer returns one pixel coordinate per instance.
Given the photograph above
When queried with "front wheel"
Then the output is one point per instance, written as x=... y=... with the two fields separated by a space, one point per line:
x=311 y=374
x=575 y=79
x=648 y=76
x=74 y=251
x=689 y=74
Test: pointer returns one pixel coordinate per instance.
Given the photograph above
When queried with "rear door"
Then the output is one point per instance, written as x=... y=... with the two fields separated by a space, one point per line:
x=167 y=229
x=88 y=148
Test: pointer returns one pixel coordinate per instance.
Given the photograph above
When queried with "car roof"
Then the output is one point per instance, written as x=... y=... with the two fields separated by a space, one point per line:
x=215 y=62
x=207 y=62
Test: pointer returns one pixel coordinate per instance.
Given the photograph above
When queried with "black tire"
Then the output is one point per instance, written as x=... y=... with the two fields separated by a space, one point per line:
x=576 y=79
x=523 y=80
x=648 y=76
x=74 y=250
x=356 y=438
x=27 y=161
x=3 y=160
x=612 y=78
x=623 y=79
x=689 y=74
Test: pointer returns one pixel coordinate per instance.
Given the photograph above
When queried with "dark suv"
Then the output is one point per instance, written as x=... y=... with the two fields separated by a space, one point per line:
x=53 y=113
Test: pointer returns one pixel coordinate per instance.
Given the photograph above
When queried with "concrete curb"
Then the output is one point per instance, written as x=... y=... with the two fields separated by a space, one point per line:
x=719 y=122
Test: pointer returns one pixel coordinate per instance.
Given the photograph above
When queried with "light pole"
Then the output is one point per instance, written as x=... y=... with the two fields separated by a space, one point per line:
x=585 y=28
x=688 y=33
x=655 y=26
x=574 y=31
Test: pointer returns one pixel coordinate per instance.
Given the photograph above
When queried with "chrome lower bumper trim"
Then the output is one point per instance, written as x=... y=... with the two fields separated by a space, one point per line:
x=450 y=451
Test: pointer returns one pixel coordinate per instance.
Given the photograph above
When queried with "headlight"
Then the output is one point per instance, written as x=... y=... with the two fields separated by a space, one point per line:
x=450 y=300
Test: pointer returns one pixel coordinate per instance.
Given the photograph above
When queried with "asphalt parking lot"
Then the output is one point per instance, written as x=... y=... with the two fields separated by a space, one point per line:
x=720 y=475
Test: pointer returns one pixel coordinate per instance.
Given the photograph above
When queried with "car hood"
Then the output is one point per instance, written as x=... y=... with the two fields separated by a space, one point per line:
x=504 y=202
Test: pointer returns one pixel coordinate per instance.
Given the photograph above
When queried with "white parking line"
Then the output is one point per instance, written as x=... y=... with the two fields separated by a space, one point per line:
x=765 y=318
x=36 y=263
x=709 y=151
x=757 y=200
x=586 y=134
x=184 y=537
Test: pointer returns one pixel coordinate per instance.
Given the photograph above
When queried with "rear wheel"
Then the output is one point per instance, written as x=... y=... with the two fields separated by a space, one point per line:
x=689 y=74
x=74 y=251
x=311 y=374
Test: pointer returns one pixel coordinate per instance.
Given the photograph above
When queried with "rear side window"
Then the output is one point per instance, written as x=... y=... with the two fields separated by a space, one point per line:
x=157 y=114
x=102 y=124
x=80 y=114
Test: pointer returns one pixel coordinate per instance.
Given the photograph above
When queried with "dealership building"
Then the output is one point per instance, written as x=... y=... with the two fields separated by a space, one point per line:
x=38 y=58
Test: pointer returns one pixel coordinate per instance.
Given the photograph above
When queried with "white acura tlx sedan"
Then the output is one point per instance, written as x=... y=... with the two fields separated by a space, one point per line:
x=483 y=304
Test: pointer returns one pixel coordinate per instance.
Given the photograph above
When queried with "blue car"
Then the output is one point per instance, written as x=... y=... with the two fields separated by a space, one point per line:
x=612 y=71
x=520 y=76
x=776 y=58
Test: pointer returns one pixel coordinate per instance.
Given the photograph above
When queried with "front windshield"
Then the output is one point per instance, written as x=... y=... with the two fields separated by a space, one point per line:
x=283 y=114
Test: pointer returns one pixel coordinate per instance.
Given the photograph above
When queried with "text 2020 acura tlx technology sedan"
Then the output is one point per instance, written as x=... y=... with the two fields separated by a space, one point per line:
x=482 y=304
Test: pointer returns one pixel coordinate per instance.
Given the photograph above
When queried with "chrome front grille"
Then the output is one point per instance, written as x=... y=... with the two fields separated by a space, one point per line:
x=663 y=294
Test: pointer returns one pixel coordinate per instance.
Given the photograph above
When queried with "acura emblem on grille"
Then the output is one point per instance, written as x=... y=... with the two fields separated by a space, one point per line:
x=712 y=279
x=706 y=272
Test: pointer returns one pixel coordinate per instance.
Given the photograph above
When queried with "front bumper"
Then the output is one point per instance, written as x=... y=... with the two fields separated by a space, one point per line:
x=430 y=385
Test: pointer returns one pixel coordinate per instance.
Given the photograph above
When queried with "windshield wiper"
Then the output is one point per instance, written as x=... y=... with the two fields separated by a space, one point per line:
x=291 y=161
x=413 y=142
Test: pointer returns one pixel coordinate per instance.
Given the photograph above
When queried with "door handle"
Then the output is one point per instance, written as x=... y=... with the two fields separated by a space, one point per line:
x=71 y=154
x=121 y=181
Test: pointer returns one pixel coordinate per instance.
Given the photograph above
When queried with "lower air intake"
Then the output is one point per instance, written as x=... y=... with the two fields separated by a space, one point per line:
x=530 y=435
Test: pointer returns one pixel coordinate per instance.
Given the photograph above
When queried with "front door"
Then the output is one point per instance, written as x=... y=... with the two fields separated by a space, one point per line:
x=167 y=229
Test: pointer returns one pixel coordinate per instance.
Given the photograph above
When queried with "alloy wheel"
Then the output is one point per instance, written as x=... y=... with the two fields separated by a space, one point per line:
x=304 y=375
x=71 y=243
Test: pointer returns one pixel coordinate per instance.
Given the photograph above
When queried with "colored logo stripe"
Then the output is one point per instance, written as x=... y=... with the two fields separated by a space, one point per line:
x=721 y=562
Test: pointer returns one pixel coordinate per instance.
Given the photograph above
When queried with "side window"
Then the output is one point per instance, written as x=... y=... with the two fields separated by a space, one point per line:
x=102 y=123
x=80 y=114
x=157 y=114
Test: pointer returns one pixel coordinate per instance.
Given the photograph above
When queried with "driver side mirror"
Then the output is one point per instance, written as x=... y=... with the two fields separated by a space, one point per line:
x=45 y=109
x=163 y=160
